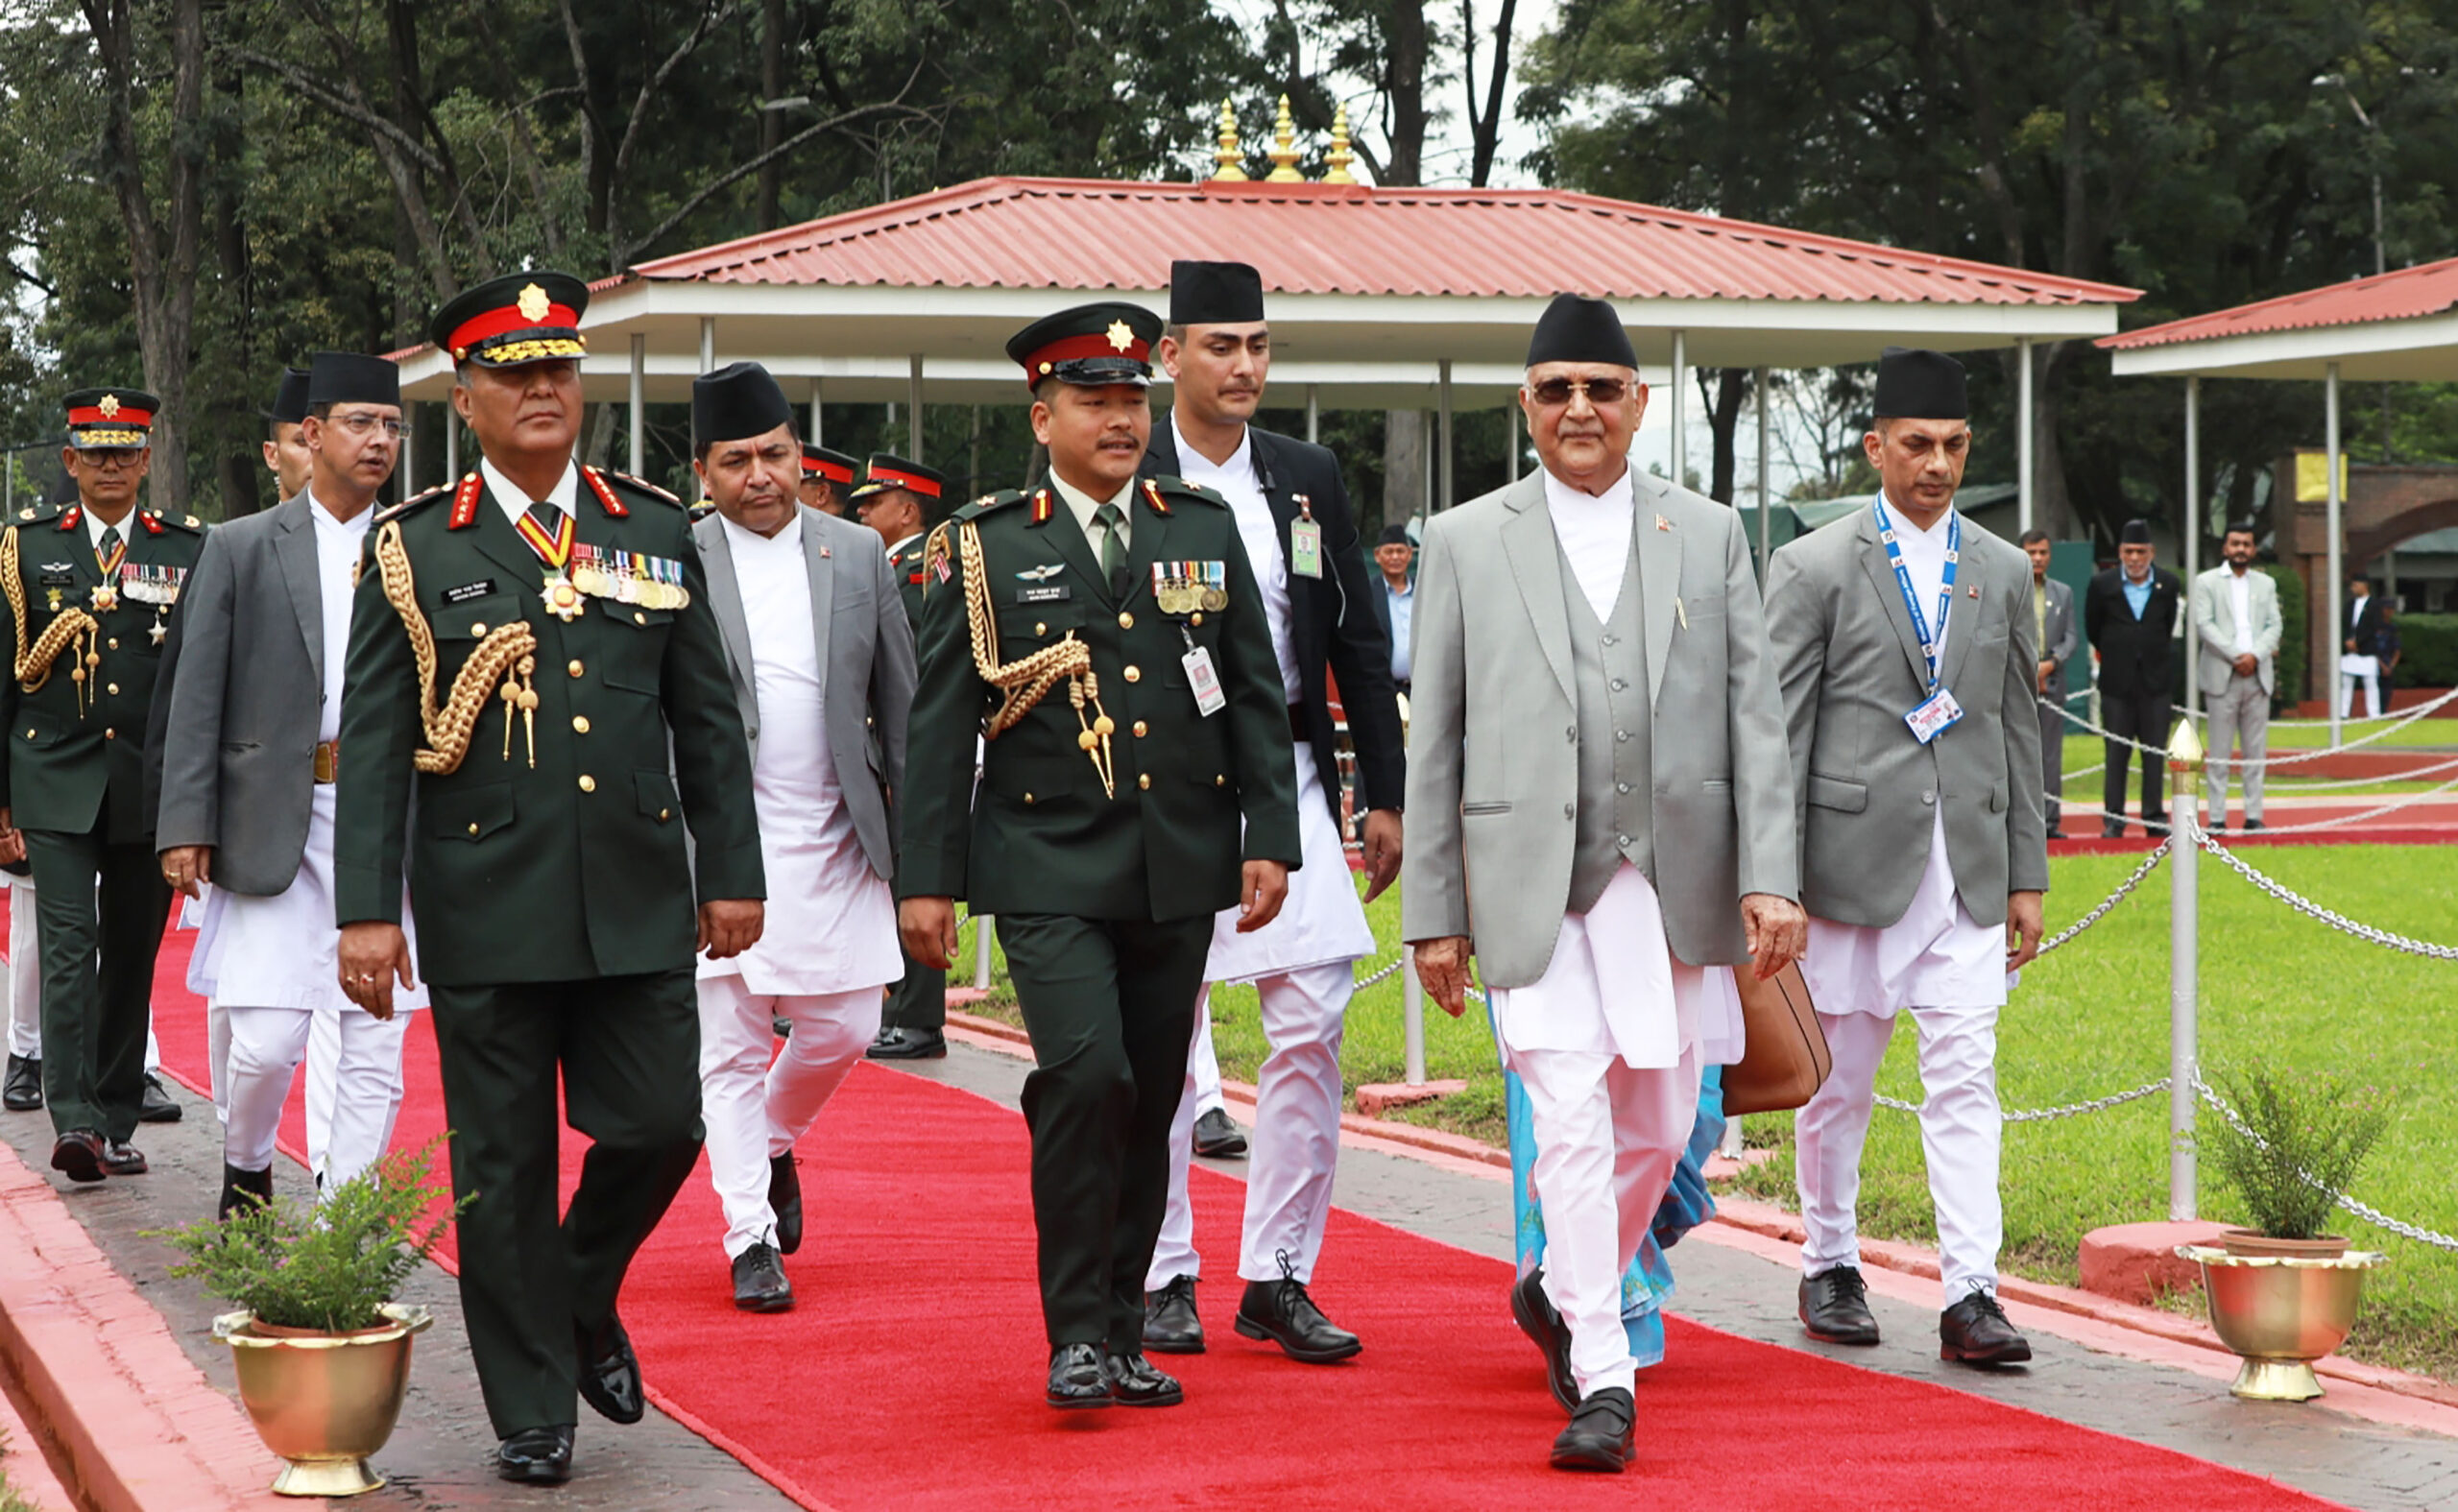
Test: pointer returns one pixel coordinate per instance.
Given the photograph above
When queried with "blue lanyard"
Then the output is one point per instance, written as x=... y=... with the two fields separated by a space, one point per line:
x=1911 y=598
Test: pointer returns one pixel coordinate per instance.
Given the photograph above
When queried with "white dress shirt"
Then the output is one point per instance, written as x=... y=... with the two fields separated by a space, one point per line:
x=2240 y=599
x=95 y=526
x=1235 y=480
x=338 y=544
x=515 y=502
x=1594 y=530
x=1083 y=505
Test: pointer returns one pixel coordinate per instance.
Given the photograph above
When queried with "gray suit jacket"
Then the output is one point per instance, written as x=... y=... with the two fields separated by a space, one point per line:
x=2214 y=627
x=865 y=661
x=2064 y=638
x=245 y=701
x=1851 y=669
x=1492 y=796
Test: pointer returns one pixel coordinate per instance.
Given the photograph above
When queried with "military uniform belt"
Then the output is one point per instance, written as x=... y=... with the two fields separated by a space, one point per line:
x=328 y=761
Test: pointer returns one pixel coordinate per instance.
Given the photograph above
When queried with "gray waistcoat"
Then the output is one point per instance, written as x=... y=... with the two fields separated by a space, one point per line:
x=1609 y=669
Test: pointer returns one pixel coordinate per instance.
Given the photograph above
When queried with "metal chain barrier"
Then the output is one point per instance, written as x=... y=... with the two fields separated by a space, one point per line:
x=2071 y=1109
x=2313 y=910
x=1387 y=967
x=2292 y=787
x=2313 y=754
x=2369 y=1213
x=2149 y=864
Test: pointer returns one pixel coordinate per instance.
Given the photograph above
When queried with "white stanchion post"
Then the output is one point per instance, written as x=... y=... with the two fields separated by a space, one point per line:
x=2184 y=967
x=980 y=951
x=1411 y=1017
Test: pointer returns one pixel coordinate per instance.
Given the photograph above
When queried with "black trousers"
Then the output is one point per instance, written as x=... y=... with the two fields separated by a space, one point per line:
x=2142 y=717
x=1110 y=1006
x=919 y=999
x=99 y=910
x=628 y=1051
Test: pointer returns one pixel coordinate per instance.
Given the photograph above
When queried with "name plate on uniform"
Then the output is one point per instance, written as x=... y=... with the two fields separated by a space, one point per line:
x=1047 y=593
x=468 y=592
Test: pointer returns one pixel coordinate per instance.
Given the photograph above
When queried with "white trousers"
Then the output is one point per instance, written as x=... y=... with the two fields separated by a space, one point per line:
x=2371 y=682
x=25 y=981
x=1960 y=1135
x=352 y=1103
x=755 y=1110
x=1608 y=1139
x=1203 y=1063
x=1296 y=1139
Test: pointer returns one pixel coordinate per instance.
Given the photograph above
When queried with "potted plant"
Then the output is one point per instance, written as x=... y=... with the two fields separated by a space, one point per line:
x=2283 y=1293
x=322 y=1350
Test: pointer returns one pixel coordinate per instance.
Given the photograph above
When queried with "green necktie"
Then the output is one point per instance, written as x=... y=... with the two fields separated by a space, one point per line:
x=1113 y=549
x=109 y=544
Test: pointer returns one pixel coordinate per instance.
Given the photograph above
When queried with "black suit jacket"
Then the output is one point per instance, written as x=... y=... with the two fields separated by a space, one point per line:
x=2363 y=626
x=2136 y=658
x=1331 y=618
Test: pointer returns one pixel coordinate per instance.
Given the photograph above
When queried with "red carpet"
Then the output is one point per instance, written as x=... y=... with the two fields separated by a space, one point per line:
x=909 y=1376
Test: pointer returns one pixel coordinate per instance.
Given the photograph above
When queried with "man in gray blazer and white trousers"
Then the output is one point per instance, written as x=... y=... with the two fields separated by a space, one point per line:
x=822 y=663
x=1610 y=880
x=1904 y=638
x=2236 y=629
x=249 y=752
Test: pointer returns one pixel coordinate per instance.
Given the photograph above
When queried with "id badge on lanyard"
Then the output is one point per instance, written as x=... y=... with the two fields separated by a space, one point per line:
x=1304 y=540
x=1937 y=713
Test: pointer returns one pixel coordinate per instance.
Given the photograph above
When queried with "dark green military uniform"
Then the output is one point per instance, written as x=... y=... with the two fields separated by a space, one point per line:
x=1104 y=896
x=919 y=998
x=72 y=778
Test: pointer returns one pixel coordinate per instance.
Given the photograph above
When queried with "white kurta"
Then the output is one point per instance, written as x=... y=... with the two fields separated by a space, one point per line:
x=283 y=952
x=1257 y=531
x=831 y=918
x=1614 y=988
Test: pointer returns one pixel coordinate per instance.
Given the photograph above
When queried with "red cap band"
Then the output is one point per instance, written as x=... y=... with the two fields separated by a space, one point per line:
x=497 y=323
x=890 y=477
x=128 y=415
x=1095 y=344
x=833 y=472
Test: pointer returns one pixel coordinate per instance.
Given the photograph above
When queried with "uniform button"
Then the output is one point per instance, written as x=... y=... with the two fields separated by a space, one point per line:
x=1140 y=729
x=1619 y=685
x=113 y=642
x=1040 y=629
x=1134 y=674
x=473 y=828
x=110 y=734
x=638 y=618
x=1221 y=781
x=1196 y=618
x=580 y=724
x=1612 y=640
x=1929 y=797
x=110 y=687
x=575 y=668
x=588 y=783
x=1622 y=840
x=480 y=630
x=1621 y=788
x=664 y=814
x=1028 y=798
x=1620 y=734
x=1125 y=621
x=1144 y=779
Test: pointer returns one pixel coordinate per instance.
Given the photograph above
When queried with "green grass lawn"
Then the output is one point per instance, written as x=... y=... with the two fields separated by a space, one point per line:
x=2084 y=753
x=2092 y=1018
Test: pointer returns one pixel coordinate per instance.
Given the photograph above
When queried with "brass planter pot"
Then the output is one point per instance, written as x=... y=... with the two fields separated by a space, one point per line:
x=324 y=1401
x=2280 y=1314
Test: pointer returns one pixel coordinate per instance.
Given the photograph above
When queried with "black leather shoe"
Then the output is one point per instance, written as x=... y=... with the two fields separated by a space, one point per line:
x=785 y=1201
x=759 y=1283
x=2255 y=823
x=908 y=1044
x=781 y=1029
x=1170 y=1324
x=1543 y=1324
x=242 y=1191
x=542 y=1455
x=1975 y=1332
x=1135 y=1384
x=2220 y=827
x=1217 y=1139
x=610 y=1373
x=80 y=1154
x=2109 y=830
x=123 y=1158
x=1078 y=1377
x=2155 y=825
x=1835 y=1308
x=22 y=1091
x=1599 y=1434
x=2056 y=835
x=158 y=1106
x=1281 y=1311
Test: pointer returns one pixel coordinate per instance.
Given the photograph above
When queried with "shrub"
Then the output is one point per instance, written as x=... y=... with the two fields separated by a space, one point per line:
x=2430 y=646
x=2309 y=1134
x=2288 y=684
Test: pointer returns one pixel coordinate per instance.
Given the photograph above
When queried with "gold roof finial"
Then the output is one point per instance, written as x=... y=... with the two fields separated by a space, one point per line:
x=1338 y=160
x=1230 y=160
x=1284 y=150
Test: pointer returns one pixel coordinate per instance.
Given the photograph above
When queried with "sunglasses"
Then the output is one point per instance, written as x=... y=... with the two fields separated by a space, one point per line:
x=1554 y=392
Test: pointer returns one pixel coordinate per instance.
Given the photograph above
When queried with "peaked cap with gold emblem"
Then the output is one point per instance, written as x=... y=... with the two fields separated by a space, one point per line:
x=111 y=419
x=1091 y=346
x=519 y=318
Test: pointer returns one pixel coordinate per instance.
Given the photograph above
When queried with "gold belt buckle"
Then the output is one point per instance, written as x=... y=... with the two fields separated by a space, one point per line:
x=329 y=759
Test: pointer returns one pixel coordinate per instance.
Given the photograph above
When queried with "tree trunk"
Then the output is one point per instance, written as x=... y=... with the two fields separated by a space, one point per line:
x=1407 y=456
x=1723 y=417
x=1406 y=82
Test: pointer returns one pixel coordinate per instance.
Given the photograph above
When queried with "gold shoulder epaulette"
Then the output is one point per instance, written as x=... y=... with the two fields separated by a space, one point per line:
x=1180 y=488
x=988 y=502
x=644 y=486
x=397 y=511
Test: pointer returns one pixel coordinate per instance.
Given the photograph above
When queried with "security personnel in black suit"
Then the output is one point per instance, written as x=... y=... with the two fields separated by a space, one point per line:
x=2137 y=672
x=90 y=589
x=901 y=500
x=1105 y=633
x=535 y=669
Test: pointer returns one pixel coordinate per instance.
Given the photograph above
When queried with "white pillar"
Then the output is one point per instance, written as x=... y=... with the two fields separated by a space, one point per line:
x=1510 y=438
x=1313 y=415
x=913 y=421
x=2023 y=434
x=1680 y=409
x=407 y=471
x=451 y=443
x=818 y=438
x=1442 y=439
x=2184 y=976
x=640 y=402
x=2336 y=568
x=1766 y=506
x=2193 y=533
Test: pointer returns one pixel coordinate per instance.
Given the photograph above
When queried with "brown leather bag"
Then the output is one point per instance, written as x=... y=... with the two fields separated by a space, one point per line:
x=1784 y=1060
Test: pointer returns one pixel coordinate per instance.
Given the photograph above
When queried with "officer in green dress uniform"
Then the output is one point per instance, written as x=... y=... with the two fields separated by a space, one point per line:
x=827 y=477
x=535 y=672
x=1105 y=633
x=89 y=593
x=900 y=500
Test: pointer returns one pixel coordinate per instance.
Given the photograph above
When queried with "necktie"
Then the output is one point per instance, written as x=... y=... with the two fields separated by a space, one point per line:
x=109 y=548
x=549 y=518
x=1113 y=549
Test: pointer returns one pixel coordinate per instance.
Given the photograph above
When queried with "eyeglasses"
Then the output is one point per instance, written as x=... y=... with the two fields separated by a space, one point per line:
x=110 y=459
x=364 y=424
x=1554 y=392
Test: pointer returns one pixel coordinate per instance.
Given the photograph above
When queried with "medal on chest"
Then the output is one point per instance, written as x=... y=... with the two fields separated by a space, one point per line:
x=561 y=595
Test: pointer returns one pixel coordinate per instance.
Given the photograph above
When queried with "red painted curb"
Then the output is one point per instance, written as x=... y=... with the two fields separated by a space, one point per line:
x=140 y=1425
x=30 y=1475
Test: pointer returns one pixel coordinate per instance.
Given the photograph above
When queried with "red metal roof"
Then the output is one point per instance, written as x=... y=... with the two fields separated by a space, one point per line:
x=1089 y=234
x=2428 y=289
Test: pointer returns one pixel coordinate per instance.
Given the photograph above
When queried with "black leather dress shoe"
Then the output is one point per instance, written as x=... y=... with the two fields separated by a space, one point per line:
x=2255 y=823
x=1281 y=1311
x=158 y=1106
x=541 y=1455
x=2155 y=825
x=908 y=1044
x=759 y=1283
x=2110 y=829
x=1135 y=1384
x=1975 y=1332
x=1835 y=1306
x=242 y=1191
x=2056 y=835
x=1170 y=1324
x=785 y=1201
x=22 y=1091
x=79 y=1153
x=1078 y=1377
x=1217 y=1139
x=123 y=1158
x=1543 y=1324
x=1599 y=1434
x=610 y=1373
